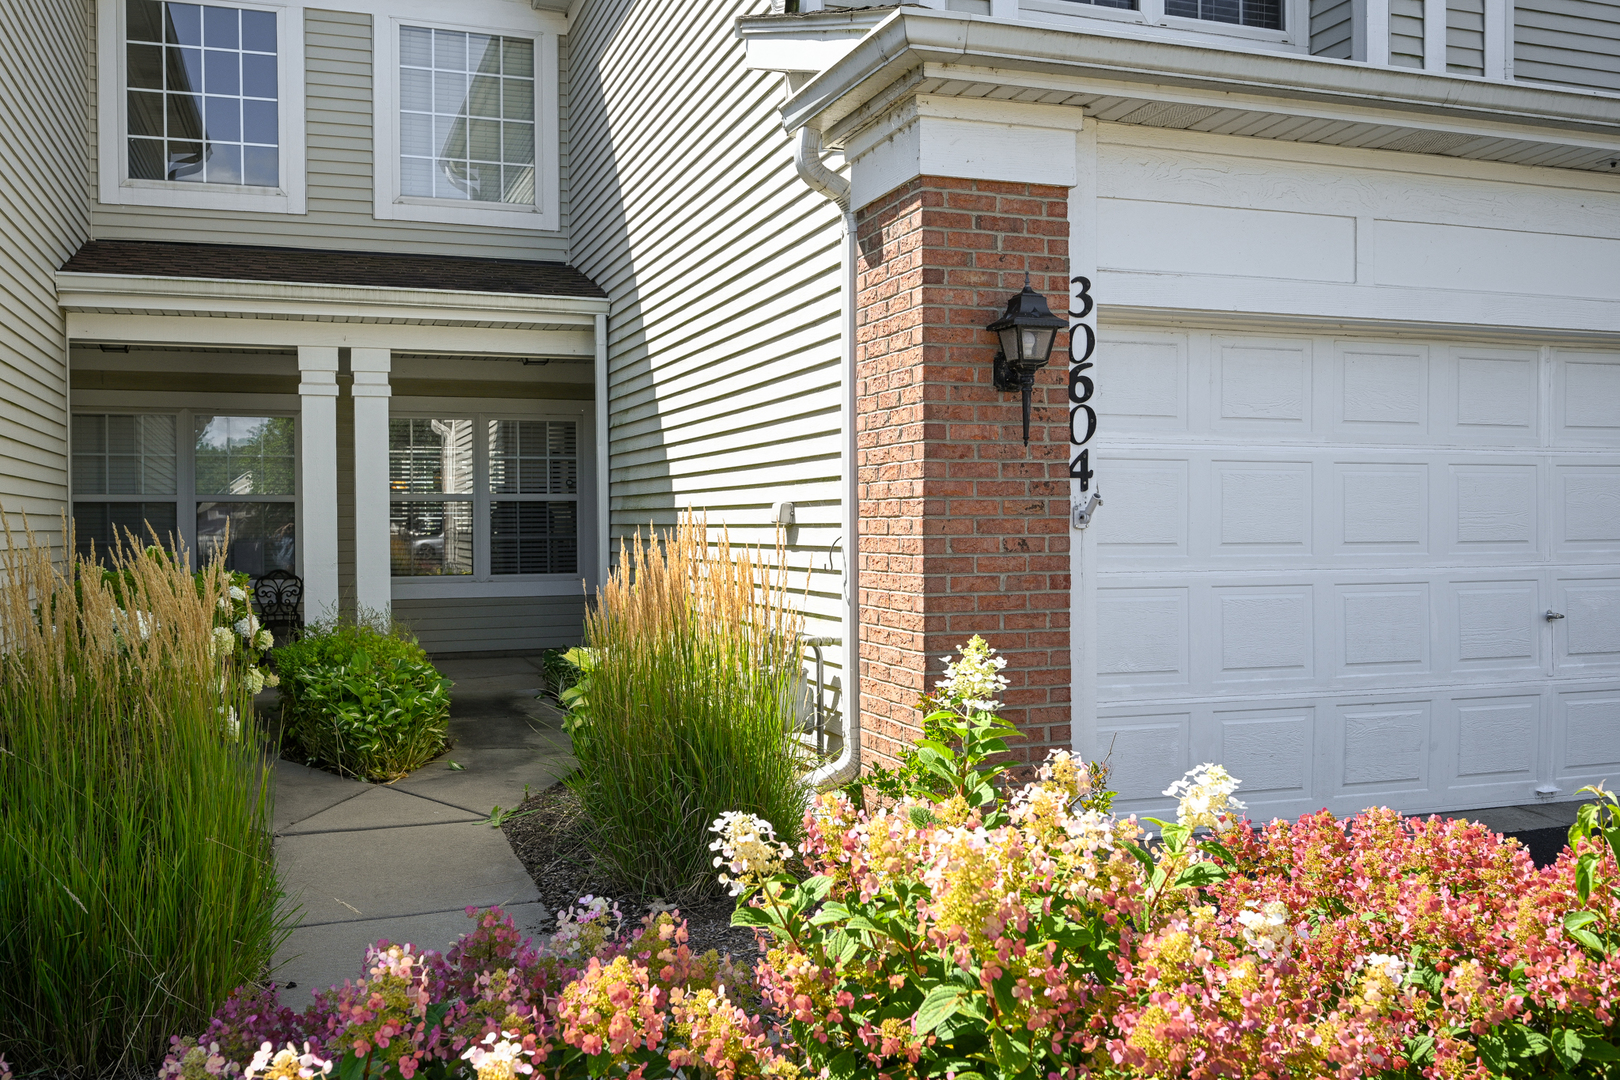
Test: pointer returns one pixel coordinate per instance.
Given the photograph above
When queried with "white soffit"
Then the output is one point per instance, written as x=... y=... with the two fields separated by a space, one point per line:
x=1115 y=77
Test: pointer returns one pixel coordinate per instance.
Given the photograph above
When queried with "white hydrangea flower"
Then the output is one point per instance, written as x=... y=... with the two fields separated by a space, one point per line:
x=976 y=678
x=272 y=679
x=248 y=625
x=1385 y=973
x=582 y=929
x=748 y=849
x=1205 y=795
x=238 y=593
x=224 y=643
x=254 y=680
x=233 y=726
x=503 y=1060
x=1266 y=929
x=287 y=1064
x=264 y=639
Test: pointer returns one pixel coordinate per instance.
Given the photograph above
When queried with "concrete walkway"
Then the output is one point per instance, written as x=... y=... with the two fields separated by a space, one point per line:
x=402 y=861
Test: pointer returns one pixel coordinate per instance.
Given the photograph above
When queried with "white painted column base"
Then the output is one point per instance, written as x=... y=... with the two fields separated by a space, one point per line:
x=317 y=484
x=372 y=569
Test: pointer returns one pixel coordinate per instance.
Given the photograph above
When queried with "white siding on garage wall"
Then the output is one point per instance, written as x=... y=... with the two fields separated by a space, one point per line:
x=43 y=173
x=338 y=104
x=723 y=268
x=1568 y=41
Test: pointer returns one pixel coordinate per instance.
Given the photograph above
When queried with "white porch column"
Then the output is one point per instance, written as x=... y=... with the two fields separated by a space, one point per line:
x=372 y=581
x=317 y=511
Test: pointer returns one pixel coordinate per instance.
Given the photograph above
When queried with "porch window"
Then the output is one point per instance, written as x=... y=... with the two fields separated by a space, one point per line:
x=495 y=504
x=234 y=476
x=245 y=487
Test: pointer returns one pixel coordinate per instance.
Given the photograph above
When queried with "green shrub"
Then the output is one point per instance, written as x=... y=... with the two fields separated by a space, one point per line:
x=363 y=701
x=684 y=707
x=137 y=887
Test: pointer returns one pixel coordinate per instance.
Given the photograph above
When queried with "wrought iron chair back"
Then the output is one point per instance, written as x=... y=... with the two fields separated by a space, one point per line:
x=278 y=594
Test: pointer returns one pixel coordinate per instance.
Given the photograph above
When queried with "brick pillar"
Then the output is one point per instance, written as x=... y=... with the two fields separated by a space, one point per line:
x=963 y=530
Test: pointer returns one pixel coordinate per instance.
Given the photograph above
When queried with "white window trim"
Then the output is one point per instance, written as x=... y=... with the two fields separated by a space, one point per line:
x=388 y=203
x=481 y=583
x=185 y=409
x=112 y=122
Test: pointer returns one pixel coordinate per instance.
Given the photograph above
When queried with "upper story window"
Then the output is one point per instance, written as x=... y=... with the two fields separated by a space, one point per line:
x=202 y=94
x=1261 y=21
x=467 y=121
x=201 y=105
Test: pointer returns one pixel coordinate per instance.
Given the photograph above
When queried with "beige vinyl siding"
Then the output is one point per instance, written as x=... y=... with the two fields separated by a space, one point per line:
x=1330 y=28
x=1406 y=33
x=503 y=624
x=1465 y=37
x=1568 y=41
x=43 y=180
x=723 y=268
x=338 y=107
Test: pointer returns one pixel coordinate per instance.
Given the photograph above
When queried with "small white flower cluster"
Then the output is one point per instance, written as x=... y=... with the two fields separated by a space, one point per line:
x=248 y=626
x=1385 y=973
x=224 y=642
x=286 y=1064
x=503 y=1060
x=140 y=621
x=1206 y=798
x=748 y=849
x=976 y=678
x=1266 y=928
x=581 y=929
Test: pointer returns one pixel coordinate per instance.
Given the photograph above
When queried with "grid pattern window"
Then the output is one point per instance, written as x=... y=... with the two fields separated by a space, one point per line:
x=202 y=94
x=1120 y=5
x=483 y=499
x=530 y=532
x=1262 y=14
x=245 y=483
x=466 y=122
x=431 y=485
x=122 y=466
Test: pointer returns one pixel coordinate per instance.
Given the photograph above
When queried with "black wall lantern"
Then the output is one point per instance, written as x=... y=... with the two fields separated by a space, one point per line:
x=1028 y=331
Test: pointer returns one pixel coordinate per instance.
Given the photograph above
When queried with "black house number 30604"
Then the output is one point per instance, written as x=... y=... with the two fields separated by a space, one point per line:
x=1082 y=417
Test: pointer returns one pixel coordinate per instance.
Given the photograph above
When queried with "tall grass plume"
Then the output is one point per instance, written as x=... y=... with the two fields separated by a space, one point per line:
x=137 y=887
x=687 y=708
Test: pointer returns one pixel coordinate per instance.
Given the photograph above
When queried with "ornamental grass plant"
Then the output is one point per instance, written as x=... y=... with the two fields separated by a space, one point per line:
x=686 y=707
x=137 y=888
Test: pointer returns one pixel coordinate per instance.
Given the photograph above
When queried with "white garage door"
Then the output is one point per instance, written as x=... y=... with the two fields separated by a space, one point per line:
x=1328 y=564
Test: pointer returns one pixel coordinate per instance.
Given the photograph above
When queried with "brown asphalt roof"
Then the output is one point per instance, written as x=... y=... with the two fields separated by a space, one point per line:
x=240 y=262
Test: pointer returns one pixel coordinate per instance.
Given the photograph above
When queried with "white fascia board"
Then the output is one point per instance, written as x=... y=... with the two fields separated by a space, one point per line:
x=235 y=298
x=1115 y=60
x=810 y=42
x=225 y=332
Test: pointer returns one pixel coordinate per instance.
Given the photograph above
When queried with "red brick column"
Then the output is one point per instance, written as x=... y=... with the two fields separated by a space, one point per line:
x=963 y=530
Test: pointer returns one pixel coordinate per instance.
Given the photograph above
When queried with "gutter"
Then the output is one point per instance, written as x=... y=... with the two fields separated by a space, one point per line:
x=813 y=170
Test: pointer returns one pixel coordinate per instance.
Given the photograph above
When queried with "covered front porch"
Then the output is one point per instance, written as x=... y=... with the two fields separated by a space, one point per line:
x=413 y=436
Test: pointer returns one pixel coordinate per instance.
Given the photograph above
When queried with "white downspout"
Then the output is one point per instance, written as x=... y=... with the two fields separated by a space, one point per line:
x=813 y=171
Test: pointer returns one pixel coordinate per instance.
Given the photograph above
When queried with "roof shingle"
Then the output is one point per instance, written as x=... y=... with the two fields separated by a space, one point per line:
x=237 y=262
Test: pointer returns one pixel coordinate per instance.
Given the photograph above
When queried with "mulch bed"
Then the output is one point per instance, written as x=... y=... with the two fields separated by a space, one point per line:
x=551 y=839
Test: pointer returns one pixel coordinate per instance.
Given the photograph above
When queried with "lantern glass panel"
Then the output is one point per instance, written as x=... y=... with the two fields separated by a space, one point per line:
x=1009 y=342
x=1041 y=341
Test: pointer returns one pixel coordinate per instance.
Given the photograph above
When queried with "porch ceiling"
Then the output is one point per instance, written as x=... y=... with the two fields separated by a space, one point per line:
x=1117 y=77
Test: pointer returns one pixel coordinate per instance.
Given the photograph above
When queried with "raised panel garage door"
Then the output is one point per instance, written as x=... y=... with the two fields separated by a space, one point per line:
x=1328 y=563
